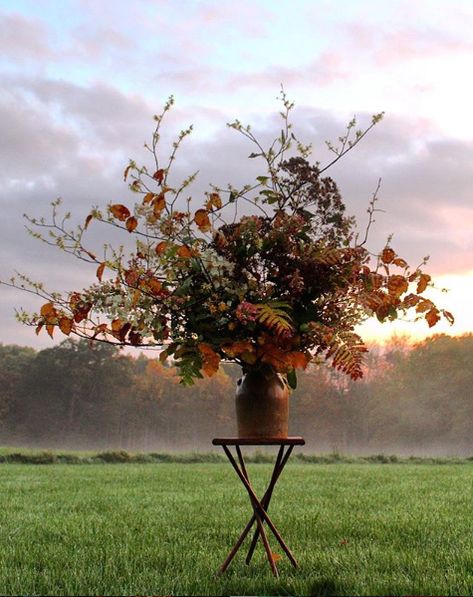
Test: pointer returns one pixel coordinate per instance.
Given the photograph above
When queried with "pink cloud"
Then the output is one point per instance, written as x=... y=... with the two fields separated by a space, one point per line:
x=23 y=38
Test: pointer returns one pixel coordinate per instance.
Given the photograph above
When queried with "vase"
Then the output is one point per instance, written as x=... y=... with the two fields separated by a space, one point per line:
x=262 y=405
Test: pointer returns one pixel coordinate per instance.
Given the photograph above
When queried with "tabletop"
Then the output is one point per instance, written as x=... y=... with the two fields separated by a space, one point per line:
x=259 y=441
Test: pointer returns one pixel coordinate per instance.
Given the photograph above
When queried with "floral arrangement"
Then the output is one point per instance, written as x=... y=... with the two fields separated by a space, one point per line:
x=280 y=286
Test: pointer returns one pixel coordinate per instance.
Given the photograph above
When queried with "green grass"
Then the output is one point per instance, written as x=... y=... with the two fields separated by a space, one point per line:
x=165 y=529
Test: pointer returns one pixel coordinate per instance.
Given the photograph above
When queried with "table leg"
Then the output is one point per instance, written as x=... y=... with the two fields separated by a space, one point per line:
x=259 y=522
x=258 y=508
x=278 y=468
x=243 y=535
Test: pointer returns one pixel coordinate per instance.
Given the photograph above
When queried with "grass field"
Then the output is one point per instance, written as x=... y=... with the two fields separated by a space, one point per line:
x=161 y=529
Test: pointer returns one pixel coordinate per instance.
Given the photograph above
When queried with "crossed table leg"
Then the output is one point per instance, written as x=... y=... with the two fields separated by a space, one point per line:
x=260 y=507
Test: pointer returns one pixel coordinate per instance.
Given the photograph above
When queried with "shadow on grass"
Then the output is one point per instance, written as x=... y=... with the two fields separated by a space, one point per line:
x=326 y=587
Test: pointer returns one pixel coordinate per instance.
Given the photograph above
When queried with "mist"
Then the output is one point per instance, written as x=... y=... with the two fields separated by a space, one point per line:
x=414 y=399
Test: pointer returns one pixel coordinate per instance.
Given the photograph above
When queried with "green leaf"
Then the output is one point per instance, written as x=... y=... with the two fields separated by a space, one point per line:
x=255 y=155
x=292 y=379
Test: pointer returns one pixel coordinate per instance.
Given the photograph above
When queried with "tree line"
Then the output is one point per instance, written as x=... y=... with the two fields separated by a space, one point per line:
x=413 y=399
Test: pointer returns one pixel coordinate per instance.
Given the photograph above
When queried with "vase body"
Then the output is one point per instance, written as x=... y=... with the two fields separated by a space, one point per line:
x=262 y=405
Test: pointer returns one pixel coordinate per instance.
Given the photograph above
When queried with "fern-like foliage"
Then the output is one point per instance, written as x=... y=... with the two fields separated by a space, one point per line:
x=275 y=316
x=346 y=352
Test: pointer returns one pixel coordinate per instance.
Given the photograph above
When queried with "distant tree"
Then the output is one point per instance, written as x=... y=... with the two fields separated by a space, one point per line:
x=14 y=362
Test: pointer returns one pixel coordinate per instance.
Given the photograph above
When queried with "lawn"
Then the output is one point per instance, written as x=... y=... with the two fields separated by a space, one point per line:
x=161 y=529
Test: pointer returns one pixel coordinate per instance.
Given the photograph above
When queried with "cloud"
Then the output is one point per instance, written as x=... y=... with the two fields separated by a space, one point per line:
x=23 y=38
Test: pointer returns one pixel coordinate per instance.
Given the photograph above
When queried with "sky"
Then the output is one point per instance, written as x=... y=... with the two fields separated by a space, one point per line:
x=81 y=80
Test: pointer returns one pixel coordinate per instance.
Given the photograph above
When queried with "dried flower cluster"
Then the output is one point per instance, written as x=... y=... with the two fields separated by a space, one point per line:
x=280 y=286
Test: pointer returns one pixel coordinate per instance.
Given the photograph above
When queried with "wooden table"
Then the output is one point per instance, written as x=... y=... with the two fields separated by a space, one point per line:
x=260 y=507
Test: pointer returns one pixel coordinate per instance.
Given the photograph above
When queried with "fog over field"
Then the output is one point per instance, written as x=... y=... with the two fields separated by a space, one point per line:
x=413 y=400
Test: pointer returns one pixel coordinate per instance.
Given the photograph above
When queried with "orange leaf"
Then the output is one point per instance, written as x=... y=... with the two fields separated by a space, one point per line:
x=154 y=285
x=120 y=212
x=87 y=221
x=397 y=285
x=184 y=252
x=276 y=557
x=214 y=200
x=424 y=279
x=163 y=355
x=50 y=330
x=159 y=175
x=101 y=328
x=432 y=317
x=210 y=359
x=66 y=325
x=400 y=262
x=275 y=357
x=237 y=348
x=131 y=223
x=298 y=360
x=132 y=277
x=159 y=203
x=424 y=305
x=117 y=325
x=201 y=218
x=161 y=247
x=100 y=269
x=125 y=173
x=387 y=255
x=81 y=311
x=48 y=311
x=148 y=198
x=136 y=297
x=449 y=317
x=249 y=357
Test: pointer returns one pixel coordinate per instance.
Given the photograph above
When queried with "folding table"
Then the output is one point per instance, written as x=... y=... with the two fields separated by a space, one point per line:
x=260 y=507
